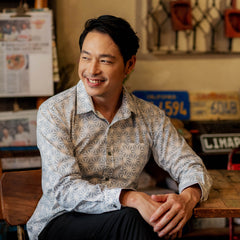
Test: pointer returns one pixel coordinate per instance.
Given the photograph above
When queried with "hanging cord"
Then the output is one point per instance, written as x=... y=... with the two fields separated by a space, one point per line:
x=234 y=4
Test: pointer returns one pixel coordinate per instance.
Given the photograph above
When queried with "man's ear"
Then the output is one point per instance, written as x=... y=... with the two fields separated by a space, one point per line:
x=130 y=65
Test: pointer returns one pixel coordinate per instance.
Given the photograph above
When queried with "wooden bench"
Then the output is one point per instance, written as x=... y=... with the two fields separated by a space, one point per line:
x=11 y=183
x=20 y=193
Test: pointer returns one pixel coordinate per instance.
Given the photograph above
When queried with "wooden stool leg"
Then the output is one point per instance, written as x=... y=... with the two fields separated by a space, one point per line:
x=20 y=233
x=230 y=229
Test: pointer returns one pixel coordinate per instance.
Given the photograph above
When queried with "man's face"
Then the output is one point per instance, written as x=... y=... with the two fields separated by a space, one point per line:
x=20 y=128
x=101 y=66
x=5 y=132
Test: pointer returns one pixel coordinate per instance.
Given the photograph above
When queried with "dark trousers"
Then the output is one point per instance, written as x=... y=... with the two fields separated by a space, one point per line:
x=124 y=224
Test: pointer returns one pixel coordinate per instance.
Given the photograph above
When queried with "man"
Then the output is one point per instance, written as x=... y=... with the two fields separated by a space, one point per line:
x=22 y=137
x=96 y=138
x=7 y=139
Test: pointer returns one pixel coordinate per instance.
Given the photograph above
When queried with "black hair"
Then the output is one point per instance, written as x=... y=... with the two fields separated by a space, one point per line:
x=118 y=29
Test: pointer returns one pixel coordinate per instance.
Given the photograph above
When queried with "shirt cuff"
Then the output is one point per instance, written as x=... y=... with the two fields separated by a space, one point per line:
x=112 y=198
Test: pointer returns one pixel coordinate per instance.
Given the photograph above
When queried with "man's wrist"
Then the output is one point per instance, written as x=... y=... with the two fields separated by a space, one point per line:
x=128 y=198
x=124 y=197
x=192 y=193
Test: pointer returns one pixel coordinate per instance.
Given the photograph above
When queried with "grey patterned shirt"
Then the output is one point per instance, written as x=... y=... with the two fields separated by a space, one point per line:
x=86 y=161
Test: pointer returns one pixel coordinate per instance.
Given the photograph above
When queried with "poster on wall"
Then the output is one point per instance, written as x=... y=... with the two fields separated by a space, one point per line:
x=26 y=54
x=18 y=128
x=18 y=132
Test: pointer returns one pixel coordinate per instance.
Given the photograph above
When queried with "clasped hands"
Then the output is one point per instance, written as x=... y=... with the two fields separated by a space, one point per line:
x=167 y=213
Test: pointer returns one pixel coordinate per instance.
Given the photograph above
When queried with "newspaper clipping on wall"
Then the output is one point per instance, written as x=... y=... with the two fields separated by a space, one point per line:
x=26 y=54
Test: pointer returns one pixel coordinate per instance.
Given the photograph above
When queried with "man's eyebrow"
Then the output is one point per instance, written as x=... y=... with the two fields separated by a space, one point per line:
x=86 y=52
x=107 y=56
x=101 y=55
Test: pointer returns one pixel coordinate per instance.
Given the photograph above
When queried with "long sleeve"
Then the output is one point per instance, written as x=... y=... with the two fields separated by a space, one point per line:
x=174 y=155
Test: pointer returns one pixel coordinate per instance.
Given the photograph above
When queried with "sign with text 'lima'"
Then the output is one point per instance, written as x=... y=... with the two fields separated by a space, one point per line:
x=222 y=142
x=174 y=103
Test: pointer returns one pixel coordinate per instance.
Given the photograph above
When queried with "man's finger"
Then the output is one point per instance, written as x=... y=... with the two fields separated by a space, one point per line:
x=159 y=197
x=160 y=212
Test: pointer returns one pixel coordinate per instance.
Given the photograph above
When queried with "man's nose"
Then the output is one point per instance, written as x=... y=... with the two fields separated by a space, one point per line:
x=94 y=68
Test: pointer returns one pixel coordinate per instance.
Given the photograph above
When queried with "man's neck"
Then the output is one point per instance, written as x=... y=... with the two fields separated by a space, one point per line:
x=107 y=108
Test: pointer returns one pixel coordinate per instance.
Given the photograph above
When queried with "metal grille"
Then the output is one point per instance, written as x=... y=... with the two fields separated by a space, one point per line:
x=206 y=33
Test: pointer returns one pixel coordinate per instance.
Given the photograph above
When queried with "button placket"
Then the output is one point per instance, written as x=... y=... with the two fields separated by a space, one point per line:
x=109 y=158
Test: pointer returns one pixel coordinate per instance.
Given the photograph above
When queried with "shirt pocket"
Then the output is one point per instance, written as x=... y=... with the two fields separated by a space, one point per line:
x=132 y=159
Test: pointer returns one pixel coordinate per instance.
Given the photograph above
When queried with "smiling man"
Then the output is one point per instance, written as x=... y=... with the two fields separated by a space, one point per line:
x=102 y=70
x=96 y=138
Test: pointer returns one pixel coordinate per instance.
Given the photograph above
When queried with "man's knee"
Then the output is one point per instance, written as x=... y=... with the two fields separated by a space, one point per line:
x=131 y=213
x=133 y=226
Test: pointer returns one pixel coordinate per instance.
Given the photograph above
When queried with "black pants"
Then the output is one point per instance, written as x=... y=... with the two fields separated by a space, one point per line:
x=124 y=224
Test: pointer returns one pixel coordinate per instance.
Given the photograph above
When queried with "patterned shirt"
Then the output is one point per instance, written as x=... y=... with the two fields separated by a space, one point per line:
x=86 y=160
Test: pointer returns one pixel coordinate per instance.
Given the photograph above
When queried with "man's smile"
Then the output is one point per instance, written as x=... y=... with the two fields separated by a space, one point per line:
x=95 y=81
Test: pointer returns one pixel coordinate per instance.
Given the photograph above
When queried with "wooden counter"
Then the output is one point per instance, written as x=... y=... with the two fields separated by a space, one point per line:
x=224 y=198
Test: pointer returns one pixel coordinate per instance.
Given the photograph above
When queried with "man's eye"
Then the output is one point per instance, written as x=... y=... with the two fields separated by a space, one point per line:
x=106 y=61
x=85 y=58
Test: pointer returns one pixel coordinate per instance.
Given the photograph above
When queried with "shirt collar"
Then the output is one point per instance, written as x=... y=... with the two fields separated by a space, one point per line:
x=85 y=103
